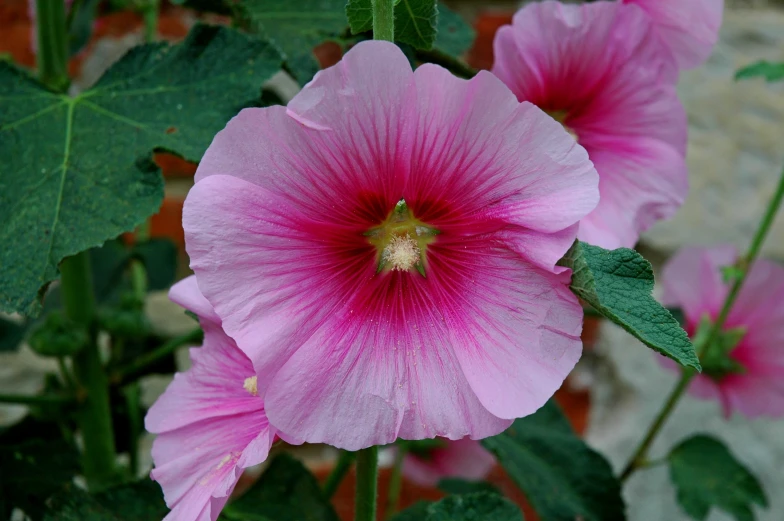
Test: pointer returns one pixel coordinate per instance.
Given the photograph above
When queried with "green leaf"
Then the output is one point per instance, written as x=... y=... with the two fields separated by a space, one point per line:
x=707 y=475
x=770 y=71
x=160 y=258
x=141 y=501
x=34 y=470
x=562 y=477
x=618 y=285
x=296 y=28
x=454 y=36
x=81 y=27
x=11 y=334
x=416 y=512
x=478 y=506
x=58 y=336
x=415 y=20
x=462 y=486
x=474 y=507
x=286 y=491
x=360 y=15
x=78 y=170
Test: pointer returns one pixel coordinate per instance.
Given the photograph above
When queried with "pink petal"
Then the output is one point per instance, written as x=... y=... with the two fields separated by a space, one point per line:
x=277 y=236
x=513 y=330
x=254 y=255
x=692 y=280
x=643 y=181
x=496 y=153
x=209 y=426
x=464 y=458
x=602 y=70
x=689 y=28
x=186 y=293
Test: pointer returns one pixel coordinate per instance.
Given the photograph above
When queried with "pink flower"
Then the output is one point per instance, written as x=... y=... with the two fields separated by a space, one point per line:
x=464 y=458
x=754 y=382
x=385 y=247
x=210 y=421
x=600 y=70
x=690 y=28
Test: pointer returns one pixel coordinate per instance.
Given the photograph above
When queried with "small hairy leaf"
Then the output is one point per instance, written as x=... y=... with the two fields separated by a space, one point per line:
x=562 y=477
x=707 y=475
x=296 y=28
x=481 y=506
x=416 y=512
x=286 y=491
x=463 y=486
x=618 y=285
x=477 y=506
x=415 y=20
x=770 y=71
x=78 y=170
x=140 y=501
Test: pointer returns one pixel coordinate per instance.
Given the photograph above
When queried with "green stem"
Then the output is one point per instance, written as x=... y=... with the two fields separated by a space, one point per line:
x=52 y=44
x=395 y=481
x=639 y=456
x=335 y=478
x=165 y=349
x=94 y=415
x=139 y=280
x=454 y=65
x=745 y=263
x=132 y=395
x=40 y=399
x=384 y=20
x=150 y=15
x=367 y=485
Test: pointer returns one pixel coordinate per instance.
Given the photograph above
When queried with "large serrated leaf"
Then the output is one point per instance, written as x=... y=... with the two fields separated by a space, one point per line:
x=707 y=475
x=562 y=477
x=286 y=491
x=296 y=28
x=415 y=20
x=76 y=171
x=618 y=284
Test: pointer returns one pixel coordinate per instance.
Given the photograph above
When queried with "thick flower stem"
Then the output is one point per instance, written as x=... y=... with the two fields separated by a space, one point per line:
x=335 y=478
x=52 y=44
x=367 y=485
x=384 y=20
x=395 y=481
x=94 y=414
x=745 y=263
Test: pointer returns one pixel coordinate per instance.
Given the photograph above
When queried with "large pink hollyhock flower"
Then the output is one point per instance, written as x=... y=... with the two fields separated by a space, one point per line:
x=601 y=71
x=210 y=421
x=690 y=28
x=386 y=247
x=753 y=381
x=464 y=458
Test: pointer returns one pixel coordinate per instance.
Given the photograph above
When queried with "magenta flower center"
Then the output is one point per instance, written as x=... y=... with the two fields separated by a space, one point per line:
x=401 y=241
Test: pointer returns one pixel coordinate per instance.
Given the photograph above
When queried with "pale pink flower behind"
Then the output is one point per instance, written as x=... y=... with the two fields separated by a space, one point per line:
x=465 y=459
x=601 y=71
x=693 y=281
x=386 y=247
x=210 y=421
x=689 y=28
